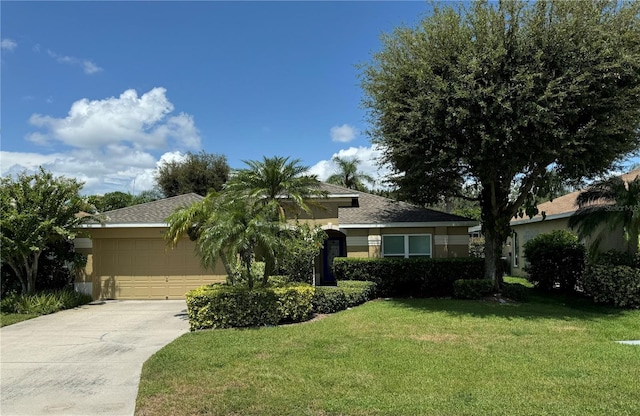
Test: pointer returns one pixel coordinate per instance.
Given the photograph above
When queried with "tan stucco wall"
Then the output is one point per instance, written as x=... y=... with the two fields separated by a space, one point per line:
x=614 y=240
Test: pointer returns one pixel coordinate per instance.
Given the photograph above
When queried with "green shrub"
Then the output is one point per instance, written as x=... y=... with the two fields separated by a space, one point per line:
x=225 y=306
x=618 y=285
x=43 y=303
x=416 y=277
x=515 y=291
x=331 y=299
x=617 y=258
x=294 y=302
x=472 y=289
x=555 y=260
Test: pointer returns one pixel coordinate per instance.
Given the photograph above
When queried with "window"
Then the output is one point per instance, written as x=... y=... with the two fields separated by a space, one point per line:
x=414 y=245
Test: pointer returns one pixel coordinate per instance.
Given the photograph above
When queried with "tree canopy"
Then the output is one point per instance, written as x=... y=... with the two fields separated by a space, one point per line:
x=39 y=211
x=198 y=172
x=503 y=93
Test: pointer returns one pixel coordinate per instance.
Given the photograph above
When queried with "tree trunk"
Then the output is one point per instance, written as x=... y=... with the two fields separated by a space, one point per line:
x=495 y=226
x=227 y=268
x=32 y=272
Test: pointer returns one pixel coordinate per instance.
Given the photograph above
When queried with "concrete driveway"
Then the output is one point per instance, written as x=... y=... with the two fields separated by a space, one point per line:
x=84 y=361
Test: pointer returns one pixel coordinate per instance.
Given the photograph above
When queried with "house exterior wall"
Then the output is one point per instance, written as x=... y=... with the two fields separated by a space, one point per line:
x=614 y=240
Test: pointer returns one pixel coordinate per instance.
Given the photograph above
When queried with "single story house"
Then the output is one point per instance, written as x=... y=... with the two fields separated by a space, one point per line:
x=129 y=259
x=557 y=213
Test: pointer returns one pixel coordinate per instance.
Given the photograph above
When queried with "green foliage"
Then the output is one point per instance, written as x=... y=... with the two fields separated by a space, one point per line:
x=38 y=212
x=225 y=306
x=347 y=174
x=331 y=299
x=301 y=245
x=43 y=303
x=294 y=302
x=555 y=260
x=606 y=206
x=413 y=277
x=515 y=291
x=111 y=201
x=200 y=173
x=494 y=93
x=472 y=289
x=476 y=247
x=117 y=199
x=614 y=258
x=277 y=182
x=248 y=217
x=617 y=285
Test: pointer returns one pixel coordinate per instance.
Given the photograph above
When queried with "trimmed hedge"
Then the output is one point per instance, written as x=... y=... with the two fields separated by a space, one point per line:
x=515 y=291
x=472 y=289
x=618 y=285
x=413 y=277
x=555 y=260
x=331 y=299
x=224 y=306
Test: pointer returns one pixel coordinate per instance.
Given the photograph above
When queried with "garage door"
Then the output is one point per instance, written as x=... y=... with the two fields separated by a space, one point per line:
x=146 y=269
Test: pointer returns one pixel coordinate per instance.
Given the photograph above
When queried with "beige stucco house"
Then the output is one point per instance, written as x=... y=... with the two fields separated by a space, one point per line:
x=557 y=213
x=129 y=259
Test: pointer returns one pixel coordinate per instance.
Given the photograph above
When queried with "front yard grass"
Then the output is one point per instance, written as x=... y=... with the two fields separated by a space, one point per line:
x=551 y=356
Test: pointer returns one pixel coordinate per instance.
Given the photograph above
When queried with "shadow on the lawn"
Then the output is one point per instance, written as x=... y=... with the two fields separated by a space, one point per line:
x=540 y=305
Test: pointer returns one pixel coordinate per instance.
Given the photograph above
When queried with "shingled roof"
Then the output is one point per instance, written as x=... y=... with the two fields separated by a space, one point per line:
x=565 y=205
x=375 y=210
x=155 y=212
x=364 y=209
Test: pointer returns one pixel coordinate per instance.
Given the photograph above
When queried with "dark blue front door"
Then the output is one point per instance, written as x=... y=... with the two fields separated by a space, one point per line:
x=333 y=247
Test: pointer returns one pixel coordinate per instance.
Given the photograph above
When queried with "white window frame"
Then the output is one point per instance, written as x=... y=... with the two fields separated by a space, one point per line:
x=406 y=253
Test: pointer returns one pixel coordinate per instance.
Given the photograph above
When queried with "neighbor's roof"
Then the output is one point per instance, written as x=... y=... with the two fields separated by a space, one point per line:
x=374 y=210
x=155 y=212
x=565 y=205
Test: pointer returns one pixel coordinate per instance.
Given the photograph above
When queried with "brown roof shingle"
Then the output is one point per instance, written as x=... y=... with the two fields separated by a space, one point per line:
x=155 y=212
x=374 y=209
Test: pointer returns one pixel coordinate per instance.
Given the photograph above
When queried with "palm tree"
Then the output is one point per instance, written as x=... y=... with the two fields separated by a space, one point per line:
x=608 y=205
x=348 y=175
x=227 y=228
x=276 y=182
x=247 y=216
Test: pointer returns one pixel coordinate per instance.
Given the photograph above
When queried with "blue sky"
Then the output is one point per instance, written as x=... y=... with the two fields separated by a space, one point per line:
x=104 y=91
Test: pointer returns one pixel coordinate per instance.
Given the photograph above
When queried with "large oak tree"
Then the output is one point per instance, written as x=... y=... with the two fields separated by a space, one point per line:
x=500 y=94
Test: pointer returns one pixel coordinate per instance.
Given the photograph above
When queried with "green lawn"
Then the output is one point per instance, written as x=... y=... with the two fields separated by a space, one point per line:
x=13 y=318
x=551 y=356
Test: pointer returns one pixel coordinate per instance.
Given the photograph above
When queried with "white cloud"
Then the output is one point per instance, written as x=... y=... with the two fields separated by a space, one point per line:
x=115 y=144
x=89 y=67
x=369 y=158
x=7 y=44
x=140 y=121
x=343 y=134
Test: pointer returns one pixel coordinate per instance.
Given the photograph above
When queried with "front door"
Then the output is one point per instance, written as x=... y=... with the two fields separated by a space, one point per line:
x=333 y=247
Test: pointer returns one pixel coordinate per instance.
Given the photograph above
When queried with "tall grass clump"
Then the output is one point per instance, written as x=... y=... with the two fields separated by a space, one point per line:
x=43 y=303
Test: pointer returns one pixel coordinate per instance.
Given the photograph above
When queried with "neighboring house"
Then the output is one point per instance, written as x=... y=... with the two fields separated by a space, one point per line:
x=129 y=259
x=557 y=213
